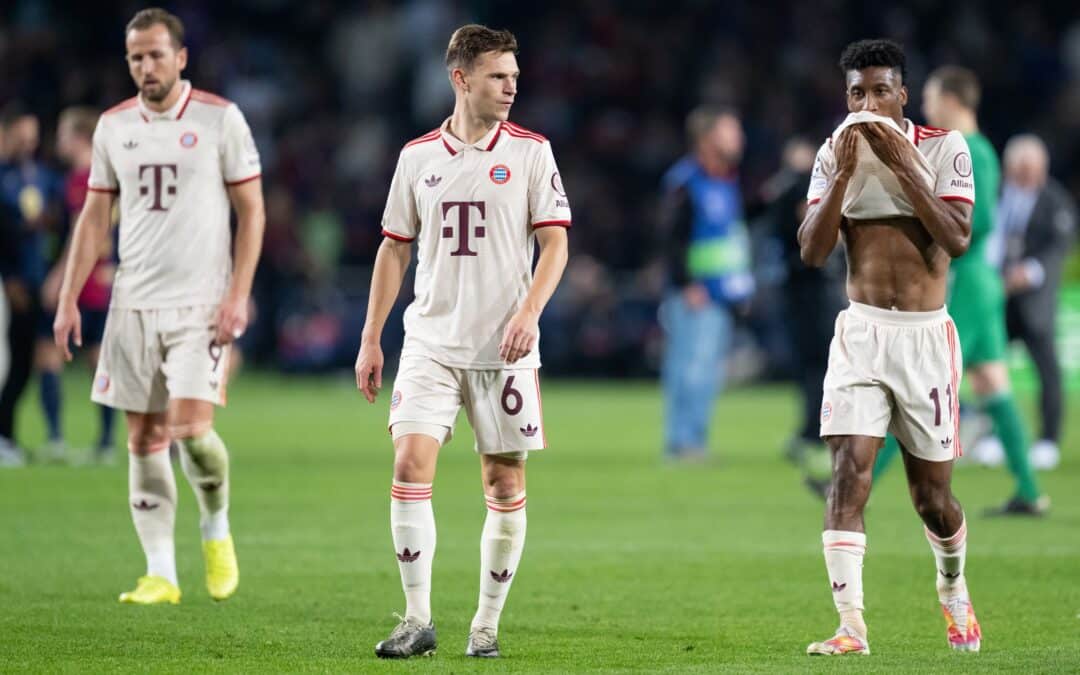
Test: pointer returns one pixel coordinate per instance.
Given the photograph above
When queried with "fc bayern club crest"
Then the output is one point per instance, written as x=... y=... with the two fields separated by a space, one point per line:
x=500 y=174
x=188 y=139
x=395 y=400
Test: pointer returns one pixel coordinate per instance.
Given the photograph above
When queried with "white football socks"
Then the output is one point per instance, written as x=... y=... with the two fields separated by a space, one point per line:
x=206 y=464
x=950 y=554
x=501 y=544
x=844 y=553
x=412 y=523
x=152 y=498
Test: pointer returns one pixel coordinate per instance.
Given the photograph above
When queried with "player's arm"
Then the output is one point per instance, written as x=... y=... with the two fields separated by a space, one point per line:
x=820 y=229
x=247 y=200
x=522 y=330
x=391 y=263
x=948 y=222
x=91 y=229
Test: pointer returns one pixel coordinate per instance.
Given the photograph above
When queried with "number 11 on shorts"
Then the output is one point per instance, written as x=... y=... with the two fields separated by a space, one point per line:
x=936 y=398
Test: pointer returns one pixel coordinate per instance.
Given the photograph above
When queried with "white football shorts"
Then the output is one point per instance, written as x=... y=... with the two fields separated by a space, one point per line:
x=503 y=406
x=150 y=356
x=895 y=372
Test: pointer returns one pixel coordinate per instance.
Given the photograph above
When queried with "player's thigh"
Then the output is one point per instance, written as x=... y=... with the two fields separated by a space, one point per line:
x=195 y=366
x=926 y=418
x=189 y=417
x=505 y=410
x=426 y=399
x=128 y=373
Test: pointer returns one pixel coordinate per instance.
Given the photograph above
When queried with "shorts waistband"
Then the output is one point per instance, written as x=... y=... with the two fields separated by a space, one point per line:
x=896 y=317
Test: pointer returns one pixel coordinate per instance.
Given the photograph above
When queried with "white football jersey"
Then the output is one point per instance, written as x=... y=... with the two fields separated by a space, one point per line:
x=171 y=171
x=472 y=210
x=875 y=192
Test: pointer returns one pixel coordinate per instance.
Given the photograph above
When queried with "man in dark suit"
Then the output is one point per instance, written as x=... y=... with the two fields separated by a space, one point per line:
x=1038 y=219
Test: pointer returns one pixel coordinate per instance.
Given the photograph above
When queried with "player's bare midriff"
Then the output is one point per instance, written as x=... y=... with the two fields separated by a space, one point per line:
x=894 y=263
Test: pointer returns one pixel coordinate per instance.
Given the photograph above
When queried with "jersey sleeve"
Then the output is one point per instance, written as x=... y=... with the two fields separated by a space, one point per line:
x=400 y=220
x=548 y=205
x=102 y=174
x=824 y=165
x=955 y=181
x=239 y=156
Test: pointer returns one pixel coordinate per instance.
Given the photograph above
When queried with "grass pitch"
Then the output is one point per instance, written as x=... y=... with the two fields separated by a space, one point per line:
x=630 y=565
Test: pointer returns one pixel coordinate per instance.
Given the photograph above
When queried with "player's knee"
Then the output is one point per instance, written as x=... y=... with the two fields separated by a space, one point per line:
x=504 y=478
x=147 y=439
x=411 y=466
x=930 y=500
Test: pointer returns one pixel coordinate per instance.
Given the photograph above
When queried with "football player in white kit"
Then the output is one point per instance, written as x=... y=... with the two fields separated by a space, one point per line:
x=475 y=195
x=175 y=158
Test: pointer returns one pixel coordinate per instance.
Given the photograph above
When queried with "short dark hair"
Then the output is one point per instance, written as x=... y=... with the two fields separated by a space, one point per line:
x=871 y=53
x=471 y=40
x=960 y=82
x=152 y=16
x=701 y=119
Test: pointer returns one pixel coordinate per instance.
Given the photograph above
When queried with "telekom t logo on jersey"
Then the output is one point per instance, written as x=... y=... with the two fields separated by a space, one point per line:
x=157 y=178
x=464 y=209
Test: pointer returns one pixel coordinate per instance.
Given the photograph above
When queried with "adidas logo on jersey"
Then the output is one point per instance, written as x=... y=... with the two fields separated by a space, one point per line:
x=131 y=145
x=433 y=181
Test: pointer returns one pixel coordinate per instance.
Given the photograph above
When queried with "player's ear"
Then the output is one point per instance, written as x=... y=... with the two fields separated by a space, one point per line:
x=457 y=77
x=181 y=57
x=903 y=95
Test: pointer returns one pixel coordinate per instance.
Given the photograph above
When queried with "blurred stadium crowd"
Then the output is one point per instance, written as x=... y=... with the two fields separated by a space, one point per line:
x=332 y=90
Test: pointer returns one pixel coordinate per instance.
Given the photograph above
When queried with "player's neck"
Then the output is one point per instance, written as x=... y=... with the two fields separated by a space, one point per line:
x=168 y=102
x=715 y=166
x=965 y=123
x=469 y=128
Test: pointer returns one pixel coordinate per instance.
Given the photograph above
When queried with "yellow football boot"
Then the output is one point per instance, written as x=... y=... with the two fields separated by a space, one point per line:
x=222 y=572
x=152 y=590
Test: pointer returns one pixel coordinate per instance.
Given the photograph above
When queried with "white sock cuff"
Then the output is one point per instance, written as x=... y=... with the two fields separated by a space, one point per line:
x=410 y=492
x=841 y=540
x=950 y=544
x=506 y=504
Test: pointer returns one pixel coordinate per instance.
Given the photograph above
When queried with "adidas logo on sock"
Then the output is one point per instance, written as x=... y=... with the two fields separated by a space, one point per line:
x=836 y=588
x=406 y=556
x=502 y=578
x=144 y=505
x=955 y=575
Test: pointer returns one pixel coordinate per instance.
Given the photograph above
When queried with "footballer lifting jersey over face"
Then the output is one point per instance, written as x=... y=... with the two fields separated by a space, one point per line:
x=874 y=191
x=172 y=170
x=472 y=210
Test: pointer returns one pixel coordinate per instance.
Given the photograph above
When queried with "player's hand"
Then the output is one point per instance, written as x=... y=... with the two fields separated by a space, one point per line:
x=892 y=149
x=67 y=328
x=846 y=152
x=520 y=336
x=231 y=320
x=369 y=365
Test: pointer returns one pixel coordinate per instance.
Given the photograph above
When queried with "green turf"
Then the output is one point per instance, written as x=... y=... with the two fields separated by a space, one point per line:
x=630 y=565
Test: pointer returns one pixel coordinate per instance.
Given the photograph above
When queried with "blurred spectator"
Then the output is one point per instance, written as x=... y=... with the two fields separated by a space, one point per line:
x=812 y=296
x=1037 y=219
x=74 y=145
x=706 y=250
x=30 y=192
